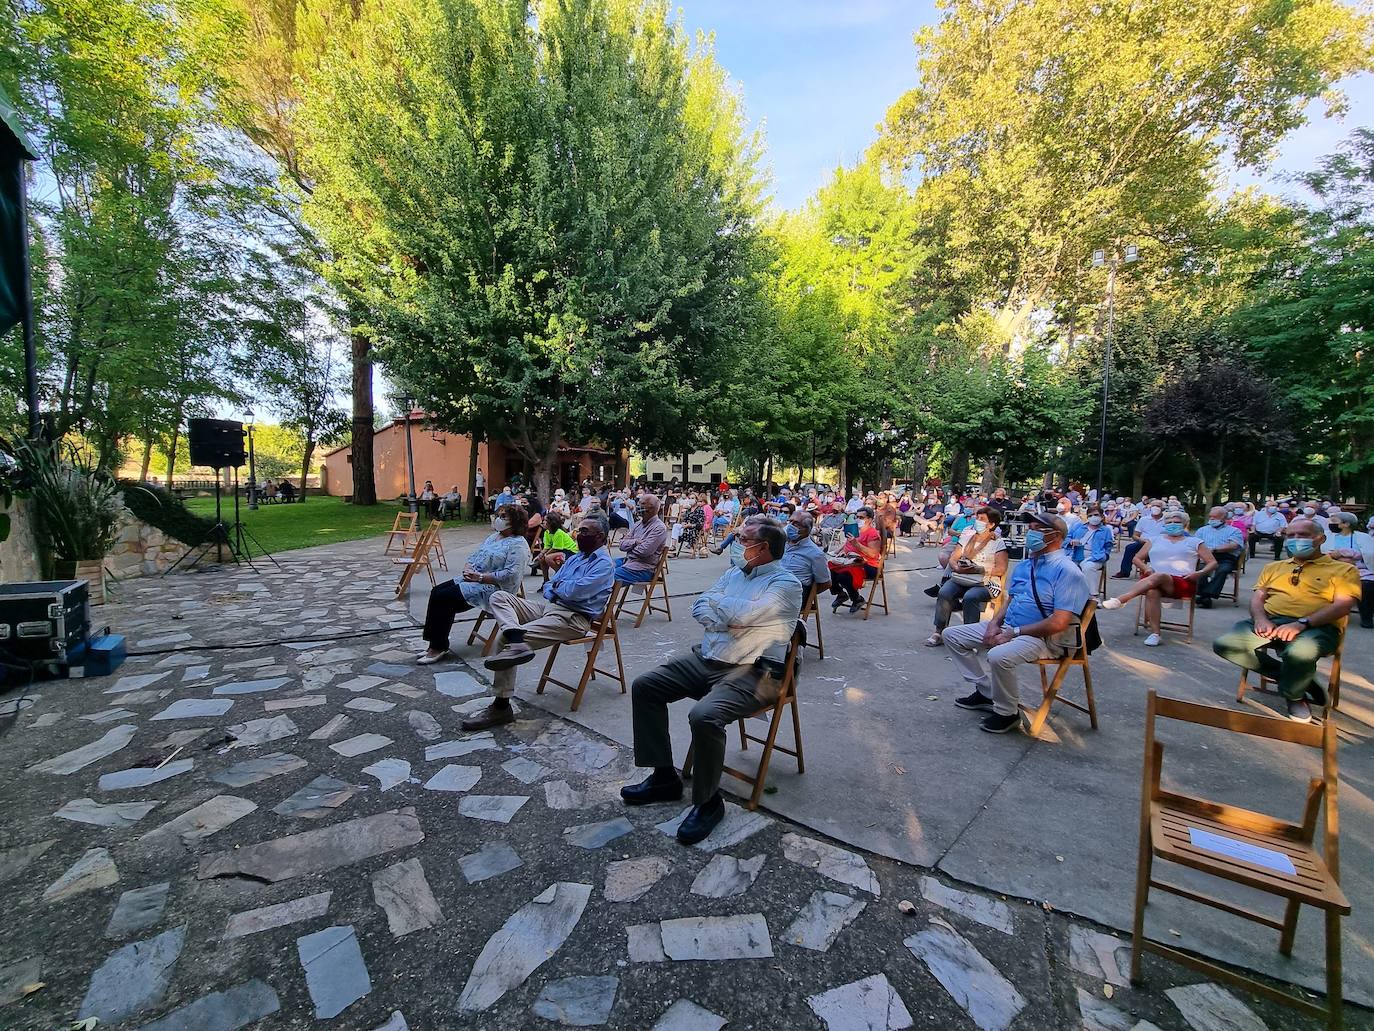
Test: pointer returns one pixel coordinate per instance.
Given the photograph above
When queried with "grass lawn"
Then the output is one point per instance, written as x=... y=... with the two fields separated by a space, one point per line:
x=319 y=520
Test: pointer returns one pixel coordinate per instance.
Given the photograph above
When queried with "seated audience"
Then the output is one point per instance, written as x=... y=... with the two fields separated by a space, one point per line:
x=978 y=561
x=556 y=544
x=1091 y=540
x=1268 y=525
x=642 y=545
x=856 y=563
x=1168 y=567
x=1227 y=545
x=1147 y=528
x=803 y=558
x=1348 y=543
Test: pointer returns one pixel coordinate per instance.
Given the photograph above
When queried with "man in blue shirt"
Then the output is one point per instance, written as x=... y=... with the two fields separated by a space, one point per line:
x=749 y=617
x=1091 y=543
x=575 y=596
x=1227 y=544
x=803 y=558
x=1042 y=602
x=1269 y=525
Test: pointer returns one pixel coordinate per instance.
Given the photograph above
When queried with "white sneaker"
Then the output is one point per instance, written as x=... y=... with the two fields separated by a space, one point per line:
x=1153 y=641
x=429 y=660
x=1111 y=604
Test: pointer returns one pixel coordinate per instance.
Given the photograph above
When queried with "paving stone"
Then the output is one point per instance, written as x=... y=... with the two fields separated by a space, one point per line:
x=425 y=726
x=686 y=1015
x=250 y=771
x=388 y=670
x=645 y=943
x=830 y=861
x=989 y=912
x=631 y=879
x=137 y=909
x=494 y=859
x=261 y=731
x=579 y=1001
x=726 y=876
x=990 y=1000
x=15 y=977
x=1100 y=1015
x=369 y=705
x=181 y=738
x=496 y=808
x=454 y=778
x=403 y=691
x=108 y=716
x=192 y=673
x=389 y=772
x=335 y=972
x=1103 y=957
x=716 y=937
x=79 y=758
x=133 y=683
x=360 y=745
x=317 y=851
x=304 y=701
x=116 y=814
x=335 y=725
x=558 y=795
x=229 y=1010
x=405 y=896
x=143 y=776
x=14 y=860
x=396 y=1022
x=133 y=978
x=46 y=720
x=573 y=751
x=194 y=708
x=359 y=684
x=868 y=1005
x=458 y=684
x=318 y=798
x=266 y=918
x=528 y=939
x=595 y=835
x=737 y=825
x=210 y=817
x=164 y=639
x=526 y=771
x=1210 y=1007
x=455 y=749
x=93 y=870
x=821 y=920
x=239 y=687
x=143 y=697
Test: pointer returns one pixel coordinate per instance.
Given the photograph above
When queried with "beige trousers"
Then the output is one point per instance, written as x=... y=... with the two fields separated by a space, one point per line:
x=544 y=623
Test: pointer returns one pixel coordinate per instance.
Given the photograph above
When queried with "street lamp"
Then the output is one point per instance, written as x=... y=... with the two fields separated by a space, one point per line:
x=252 y=467
x=1129 y=254
x=408 y=403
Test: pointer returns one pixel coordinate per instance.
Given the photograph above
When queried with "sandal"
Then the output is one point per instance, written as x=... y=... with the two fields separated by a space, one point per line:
x=934 y=641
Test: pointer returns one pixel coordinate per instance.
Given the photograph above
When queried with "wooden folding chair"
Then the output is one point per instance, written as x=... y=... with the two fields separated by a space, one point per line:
x=811 y=610
x=1245 y=847
x=436 y=528
x=1050 y=685
x=1333 y=682
x=658 y=582
x=1235 y=576
x=878 y=582
x=603 y=627
x=416 y=558
x=787 y=696
x=890 y=545
x=1174 y=626
x=482 y=616
x=404 y=527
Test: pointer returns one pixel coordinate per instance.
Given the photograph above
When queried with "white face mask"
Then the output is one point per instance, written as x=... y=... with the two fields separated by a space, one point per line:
x=499 y=524
x=1156 y=512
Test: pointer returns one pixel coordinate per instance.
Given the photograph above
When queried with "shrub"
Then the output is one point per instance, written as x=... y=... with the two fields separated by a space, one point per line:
x=158 y=507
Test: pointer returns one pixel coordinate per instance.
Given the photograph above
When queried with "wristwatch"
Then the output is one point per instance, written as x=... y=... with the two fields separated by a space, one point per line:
x=1305 y=621
x=1015 y=631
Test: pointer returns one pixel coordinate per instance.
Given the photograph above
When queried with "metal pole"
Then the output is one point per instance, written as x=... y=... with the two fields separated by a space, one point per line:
x=26 y=299
x=410 y=462
x=252 y=473
x=1106 y=377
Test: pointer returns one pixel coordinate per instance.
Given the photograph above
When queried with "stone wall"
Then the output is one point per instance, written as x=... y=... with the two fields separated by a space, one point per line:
x=142 y=550
x=19 y=553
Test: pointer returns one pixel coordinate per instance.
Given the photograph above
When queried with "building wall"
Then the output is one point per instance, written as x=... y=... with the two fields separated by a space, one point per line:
x=19 y=561
x=664 y=468
x=439 y=456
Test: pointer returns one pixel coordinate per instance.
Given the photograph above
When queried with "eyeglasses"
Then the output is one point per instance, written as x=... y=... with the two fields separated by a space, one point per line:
x=1296 y=577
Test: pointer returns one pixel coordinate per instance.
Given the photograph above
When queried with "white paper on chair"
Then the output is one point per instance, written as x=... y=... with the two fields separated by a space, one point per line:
x=1243 y=850
x=677 y=531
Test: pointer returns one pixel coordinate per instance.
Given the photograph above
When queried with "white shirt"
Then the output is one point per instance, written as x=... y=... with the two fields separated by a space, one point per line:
x=1266 y=523
x=585 y=505
x=1175 y=555
x=854 y=504
x=953 y=508
x=1149 y=526
x=1070 y=520
x=481 y=481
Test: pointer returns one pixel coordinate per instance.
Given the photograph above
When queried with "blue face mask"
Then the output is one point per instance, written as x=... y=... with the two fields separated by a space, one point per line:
x=1214 y=523
x=1299 y=547
x=792 y=531
x=1094 y=520
x=737 y=554
x=1035 y=542
x=1175 y=529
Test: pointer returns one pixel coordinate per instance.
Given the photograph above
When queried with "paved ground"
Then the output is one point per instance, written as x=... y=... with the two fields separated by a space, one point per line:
x=322 y=846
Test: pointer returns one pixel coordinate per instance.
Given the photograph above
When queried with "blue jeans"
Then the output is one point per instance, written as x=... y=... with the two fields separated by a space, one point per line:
x=632 y=576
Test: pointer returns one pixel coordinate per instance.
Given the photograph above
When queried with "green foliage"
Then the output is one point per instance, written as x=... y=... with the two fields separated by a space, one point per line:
x=158 y=507
x=77 y=506
x=323 y=520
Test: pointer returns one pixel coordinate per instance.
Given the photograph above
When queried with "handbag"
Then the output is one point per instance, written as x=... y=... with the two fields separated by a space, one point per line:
x=971 y=580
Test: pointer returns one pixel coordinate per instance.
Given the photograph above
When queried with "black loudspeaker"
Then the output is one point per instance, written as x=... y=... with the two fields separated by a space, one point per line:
x=217 y=443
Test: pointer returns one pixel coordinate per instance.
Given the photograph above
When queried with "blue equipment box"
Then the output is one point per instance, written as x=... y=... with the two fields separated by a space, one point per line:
x=105 y=654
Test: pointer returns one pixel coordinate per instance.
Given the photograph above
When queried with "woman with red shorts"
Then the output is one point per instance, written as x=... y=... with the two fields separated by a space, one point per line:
x=858 y=560
x=1170 y=566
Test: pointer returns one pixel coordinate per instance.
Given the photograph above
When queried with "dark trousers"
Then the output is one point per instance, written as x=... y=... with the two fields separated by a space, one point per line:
x=724 y=693
x=953 y=593
x=1226 y=565
x=1132 y=550
x=1274 y=538
x=445 y=602
x=1293 y=668
x=843 y=584
x=1367 y=603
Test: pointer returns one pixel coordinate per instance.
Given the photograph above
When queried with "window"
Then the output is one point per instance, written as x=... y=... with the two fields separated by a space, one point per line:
x=677 y=469
x=658 y=477
x=696 y=468
x=715 y=477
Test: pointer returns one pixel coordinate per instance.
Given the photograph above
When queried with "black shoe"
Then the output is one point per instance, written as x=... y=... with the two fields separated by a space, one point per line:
x=651 y=789
x=1368 y=624
x=492 y=716
x=835 y=605
x=977 y=700
x=701 y=821
x=1204 y=603
x=856 y=607
x=995 y=724
x=1316 y=694
x=933 y=591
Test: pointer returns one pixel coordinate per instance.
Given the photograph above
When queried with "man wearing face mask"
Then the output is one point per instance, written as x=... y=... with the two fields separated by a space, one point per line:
x=1045 y=595
x=749 y=616
x=642 y=544
x=1268 y=526
x=1227 y=544
x=575 y=596
x=803 y=559
x=1168 y=566
x=1298 y=611
x=1147 y=529
x=1092 y=544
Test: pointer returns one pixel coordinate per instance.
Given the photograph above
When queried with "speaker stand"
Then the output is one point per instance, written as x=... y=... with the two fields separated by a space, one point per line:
x=222 y=537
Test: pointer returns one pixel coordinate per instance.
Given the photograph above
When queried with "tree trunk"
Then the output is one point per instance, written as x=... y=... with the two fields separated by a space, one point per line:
x=364 y=479
x=958 y=472
x=147 y=457
x=920 y=468
x=989 y=475
x=885 y=474
x=621 y=476
x=172 y=452
x=768 y=477
x=843 y=476
x=686 y=468
x=1138 y=480
x=471 y=486
x=305 y=464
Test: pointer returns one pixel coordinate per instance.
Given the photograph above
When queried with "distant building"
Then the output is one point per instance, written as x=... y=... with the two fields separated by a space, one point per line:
x=442 y=458
x=705 y=467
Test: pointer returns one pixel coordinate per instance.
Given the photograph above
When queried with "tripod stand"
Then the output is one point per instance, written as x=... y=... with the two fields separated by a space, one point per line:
x=236 y=538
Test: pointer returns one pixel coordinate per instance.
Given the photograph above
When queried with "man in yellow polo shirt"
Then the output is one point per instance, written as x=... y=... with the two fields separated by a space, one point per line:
x=1298 y=610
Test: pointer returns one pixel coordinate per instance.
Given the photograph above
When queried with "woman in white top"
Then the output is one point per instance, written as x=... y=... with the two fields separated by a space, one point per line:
x=1346 y=543
x=980 y=556
x=1170 y=566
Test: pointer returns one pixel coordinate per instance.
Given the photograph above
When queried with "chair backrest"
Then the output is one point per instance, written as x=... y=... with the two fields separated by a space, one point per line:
x=605 y=623
x=404 y=521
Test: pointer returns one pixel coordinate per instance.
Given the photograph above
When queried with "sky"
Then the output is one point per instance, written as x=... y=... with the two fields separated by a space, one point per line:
x=820 y=75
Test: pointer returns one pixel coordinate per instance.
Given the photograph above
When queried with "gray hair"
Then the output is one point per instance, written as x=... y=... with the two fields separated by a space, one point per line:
x=771 y=533
x=805 y=521
x=598 y=520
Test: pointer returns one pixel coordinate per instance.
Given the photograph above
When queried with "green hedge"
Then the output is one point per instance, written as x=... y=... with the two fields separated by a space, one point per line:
x=156 y=506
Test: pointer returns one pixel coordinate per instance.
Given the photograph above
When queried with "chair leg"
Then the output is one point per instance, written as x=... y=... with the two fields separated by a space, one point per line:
x=796 y=735
x=1290 y=927
x=619 y=662
x=820 y=641
x=644 y=608
x=1333 y=687
x=1144 y=865
x=1088 y=690
x=588 y=669
x=1243 y=686
x=491 y=638
x=687 y=762
x=1334 y=989
x=548 y=666
x=743 y=737
x=761 y=777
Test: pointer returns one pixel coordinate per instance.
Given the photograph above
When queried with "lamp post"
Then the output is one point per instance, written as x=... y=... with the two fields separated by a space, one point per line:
x=408 y=403
x=252 y=467
x=1129 y=254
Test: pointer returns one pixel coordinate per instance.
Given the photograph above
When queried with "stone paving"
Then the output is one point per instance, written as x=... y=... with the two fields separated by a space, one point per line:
x=243 y=828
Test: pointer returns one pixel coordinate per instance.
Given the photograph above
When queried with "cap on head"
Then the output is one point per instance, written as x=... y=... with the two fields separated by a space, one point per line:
x=1048 y=522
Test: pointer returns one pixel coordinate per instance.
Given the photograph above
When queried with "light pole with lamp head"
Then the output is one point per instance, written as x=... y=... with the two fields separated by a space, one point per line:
x=408 y=402
x=252 y=467
x=1130 y=254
